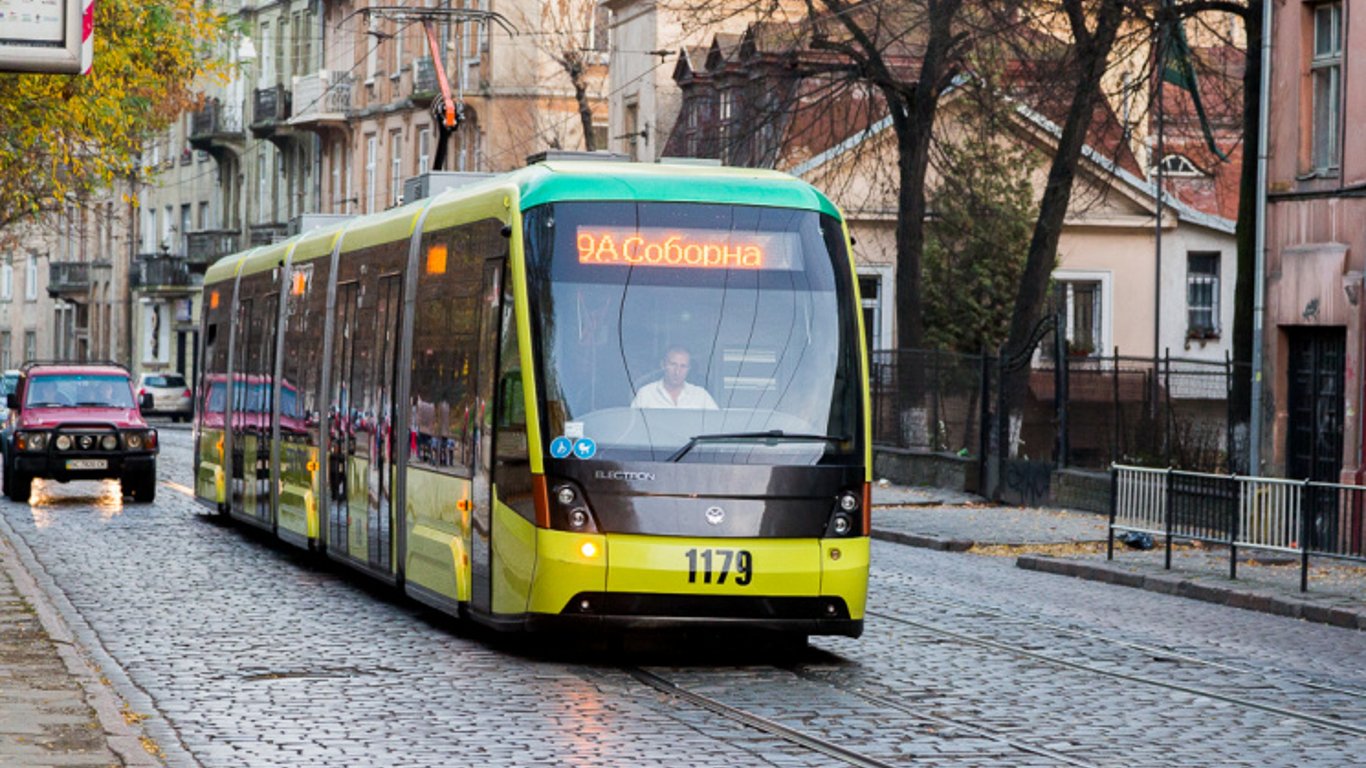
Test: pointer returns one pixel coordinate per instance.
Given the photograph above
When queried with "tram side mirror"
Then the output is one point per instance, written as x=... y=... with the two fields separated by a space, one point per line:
x=145 y=402
x=12 y=401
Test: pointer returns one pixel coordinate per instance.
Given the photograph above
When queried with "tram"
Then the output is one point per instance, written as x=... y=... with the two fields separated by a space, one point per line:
x=582 y=394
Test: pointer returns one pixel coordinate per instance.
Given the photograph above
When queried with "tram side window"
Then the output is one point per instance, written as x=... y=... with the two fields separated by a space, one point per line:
x=306 y=307
x=444 y=411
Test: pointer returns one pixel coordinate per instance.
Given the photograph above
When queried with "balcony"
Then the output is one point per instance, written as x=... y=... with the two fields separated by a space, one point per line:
x=269 y=109
x=68 y=279
x=321 y=100
x=217 y=127
x=207 y=246
x=265 y=234
x=155 y=273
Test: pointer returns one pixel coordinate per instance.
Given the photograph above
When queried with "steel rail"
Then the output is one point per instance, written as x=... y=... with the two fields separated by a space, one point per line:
x=1159 y=653
x=814 y=743
x=1018 y=651
x=976 y=730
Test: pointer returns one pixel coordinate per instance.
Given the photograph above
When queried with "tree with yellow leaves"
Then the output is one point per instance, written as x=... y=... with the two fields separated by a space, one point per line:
x=66 y=137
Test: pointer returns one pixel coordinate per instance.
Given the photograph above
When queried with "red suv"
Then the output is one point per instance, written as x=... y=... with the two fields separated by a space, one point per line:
x=77 y=421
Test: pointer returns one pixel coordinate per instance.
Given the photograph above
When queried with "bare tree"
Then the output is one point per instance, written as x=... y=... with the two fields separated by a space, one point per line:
x=1094 y=29
x=573 y=35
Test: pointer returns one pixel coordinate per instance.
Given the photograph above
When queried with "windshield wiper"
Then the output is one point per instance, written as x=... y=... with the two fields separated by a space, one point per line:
x=772 y=437
x=98 y=404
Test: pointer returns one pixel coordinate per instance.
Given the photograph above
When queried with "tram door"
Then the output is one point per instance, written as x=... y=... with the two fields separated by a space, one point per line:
x=380 y=443
x=341 y=417
x=242 y=329
x=490 y=327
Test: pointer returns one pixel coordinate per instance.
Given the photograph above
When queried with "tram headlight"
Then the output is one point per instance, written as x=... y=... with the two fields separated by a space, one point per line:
x=848 y=501
x=565 y=495
x=842 y=524
x=578 y=518
x=63 y=442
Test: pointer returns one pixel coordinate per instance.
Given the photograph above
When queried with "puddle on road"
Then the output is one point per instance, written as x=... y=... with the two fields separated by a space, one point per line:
x=49 y=498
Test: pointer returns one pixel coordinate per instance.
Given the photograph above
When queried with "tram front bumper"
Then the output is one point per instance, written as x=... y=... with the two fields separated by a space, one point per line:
x=810 y=586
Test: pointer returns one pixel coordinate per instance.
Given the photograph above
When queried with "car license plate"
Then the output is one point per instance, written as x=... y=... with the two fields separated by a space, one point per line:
x=87 y=464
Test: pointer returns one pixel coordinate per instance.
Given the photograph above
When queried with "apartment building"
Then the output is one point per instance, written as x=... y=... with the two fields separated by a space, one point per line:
x=1314 y=326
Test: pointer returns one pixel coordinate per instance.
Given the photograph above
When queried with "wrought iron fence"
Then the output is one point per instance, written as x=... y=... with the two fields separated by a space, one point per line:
x=930 y=399
x=1082 y=412
x=1297 y=516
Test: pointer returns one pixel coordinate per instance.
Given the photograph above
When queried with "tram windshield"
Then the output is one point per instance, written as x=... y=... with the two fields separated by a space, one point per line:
x=694 y=333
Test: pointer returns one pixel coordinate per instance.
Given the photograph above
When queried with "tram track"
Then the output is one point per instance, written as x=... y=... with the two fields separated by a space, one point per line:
x=1158 y=653
x=829 y=748
x=766 y=725
x=1015 y=650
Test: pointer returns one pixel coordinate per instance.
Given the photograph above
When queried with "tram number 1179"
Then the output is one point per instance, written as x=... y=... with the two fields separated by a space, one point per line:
x=716 y=563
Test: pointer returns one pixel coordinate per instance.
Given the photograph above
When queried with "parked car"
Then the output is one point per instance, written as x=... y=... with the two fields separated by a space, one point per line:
x=78 y=421
x=171 y=396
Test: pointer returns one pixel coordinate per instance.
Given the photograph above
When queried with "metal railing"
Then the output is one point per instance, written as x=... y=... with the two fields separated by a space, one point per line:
x=321 y=94
x=207 y=246
x=68 y=277
x=1302 y=517
x=270 y=105
x=161 y=271
x=216 y=118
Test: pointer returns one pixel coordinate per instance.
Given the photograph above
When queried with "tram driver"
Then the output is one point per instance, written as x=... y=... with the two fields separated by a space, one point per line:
x=672 y=390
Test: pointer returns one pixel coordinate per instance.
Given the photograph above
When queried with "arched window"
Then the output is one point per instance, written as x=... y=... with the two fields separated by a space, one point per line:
x=1179 y=165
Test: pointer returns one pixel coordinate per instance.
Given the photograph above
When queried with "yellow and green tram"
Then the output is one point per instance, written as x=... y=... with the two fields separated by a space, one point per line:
x=581 y=394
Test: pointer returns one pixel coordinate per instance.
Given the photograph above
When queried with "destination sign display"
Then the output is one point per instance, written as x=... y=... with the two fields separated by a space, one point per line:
x=684 y=248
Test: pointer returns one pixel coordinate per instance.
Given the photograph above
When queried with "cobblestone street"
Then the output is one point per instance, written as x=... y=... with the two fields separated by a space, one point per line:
x=235 y=652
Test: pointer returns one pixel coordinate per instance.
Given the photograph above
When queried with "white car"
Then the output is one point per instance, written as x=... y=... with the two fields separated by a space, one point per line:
x=171 y=396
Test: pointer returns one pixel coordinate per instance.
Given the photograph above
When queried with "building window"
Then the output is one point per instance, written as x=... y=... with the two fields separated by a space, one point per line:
x=632 y=131
x=6 y=359
x=6 y=281
x=396 y=168
x=31 y=278
x=875 y=290
x=1326 y=72
x=723 y=121
x=338 y=150
x=1081 y=301
x=424 y=150
x=1179 y=165
x=262 y=187
x=371 y=168
x=30 y=345
x=1202 y=295
x=599 y=136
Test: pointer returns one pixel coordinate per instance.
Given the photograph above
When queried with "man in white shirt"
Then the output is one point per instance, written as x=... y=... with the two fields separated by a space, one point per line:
x=673 y=390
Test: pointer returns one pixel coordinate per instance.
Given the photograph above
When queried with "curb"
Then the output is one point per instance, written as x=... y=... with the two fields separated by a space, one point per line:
x=1171 y=584
x=123 y=738
x=924 y=542
x=108 y=685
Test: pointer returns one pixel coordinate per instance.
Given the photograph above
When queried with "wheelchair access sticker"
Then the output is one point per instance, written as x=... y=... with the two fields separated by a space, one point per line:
x=563 y=446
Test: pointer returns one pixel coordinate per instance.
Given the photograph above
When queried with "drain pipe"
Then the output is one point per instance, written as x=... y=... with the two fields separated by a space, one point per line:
x=1259 y=249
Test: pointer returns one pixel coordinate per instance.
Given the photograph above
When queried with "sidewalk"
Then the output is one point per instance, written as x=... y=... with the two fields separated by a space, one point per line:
x=1073 y=544
x=55 y=709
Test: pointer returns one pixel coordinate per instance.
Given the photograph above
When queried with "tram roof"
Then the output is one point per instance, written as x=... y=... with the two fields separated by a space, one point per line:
x=226 y=267
x=597 y=180
x=266 y=257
